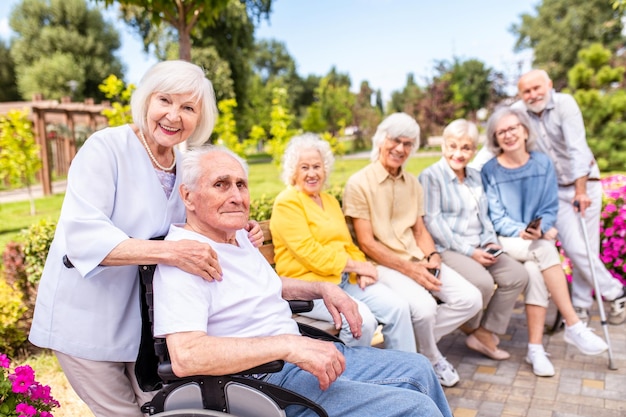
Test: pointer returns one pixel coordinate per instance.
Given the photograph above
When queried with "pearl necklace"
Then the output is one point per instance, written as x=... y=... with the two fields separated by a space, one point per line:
x=161 y=167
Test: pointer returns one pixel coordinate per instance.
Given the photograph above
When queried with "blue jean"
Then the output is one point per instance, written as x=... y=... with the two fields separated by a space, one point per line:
x=376 y=382
x=377 y=304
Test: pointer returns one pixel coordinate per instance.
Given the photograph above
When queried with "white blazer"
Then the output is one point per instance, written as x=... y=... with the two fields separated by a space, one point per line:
x=113 y=193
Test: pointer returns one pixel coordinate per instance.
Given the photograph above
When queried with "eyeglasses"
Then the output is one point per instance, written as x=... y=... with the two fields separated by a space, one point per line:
x=407 y=145
x=453 y=147
x=504 y=132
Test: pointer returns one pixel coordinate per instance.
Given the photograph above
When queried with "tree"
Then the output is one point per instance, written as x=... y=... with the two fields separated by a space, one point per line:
x=365 y=116
x=62 y=48
x=434 y=109
x=272 y=60
x=470 y=84
x=280 y=125
x=597 y=85
x=273 y=67
x=335 y=100
x=561 y=28
x=183 y=15
x=409 y=94
x=19 y=154
x=232 y=36
x=226 y=128
x=8 y=88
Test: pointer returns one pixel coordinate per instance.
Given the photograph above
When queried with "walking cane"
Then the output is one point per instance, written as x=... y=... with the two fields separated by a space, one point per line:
x=596 y=286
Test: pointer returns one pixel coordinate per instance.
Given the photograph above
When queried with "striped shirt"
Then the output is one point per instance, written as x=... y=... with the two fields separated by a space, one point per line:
x=455 y=222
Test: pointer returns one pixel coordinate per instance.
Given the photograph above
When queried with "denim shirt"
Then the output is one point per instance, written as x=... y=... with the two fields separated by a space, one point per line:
x=518 y=195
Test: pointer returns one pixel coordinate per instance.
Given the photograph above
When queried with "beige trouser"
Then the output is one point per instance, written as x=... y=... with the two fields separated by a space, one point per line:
x=511 y=278
x=537 y=255
x=109 y=389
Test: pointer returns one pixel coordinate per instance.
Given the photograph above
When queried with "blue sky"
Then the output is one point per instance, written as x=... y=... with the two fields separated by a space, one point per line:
x=380 y=41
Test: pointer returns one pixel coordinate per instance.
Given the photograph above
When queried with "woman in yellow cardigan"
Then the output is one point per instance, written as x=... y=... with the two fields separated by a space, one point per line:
x=312 y=242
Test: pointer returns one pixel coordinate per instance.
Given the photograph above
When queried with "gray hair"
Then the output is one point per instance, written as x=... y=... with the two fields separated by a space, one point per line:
x=394 y=126
x=522 y=117
x=461 y=129
x=177 y=77
x=296 y=146
x=191 y=167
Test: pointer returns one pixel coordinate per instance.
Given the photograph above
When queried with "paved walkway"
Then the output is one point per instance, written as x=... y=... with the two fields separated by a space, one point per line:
x=582 y=387
x=21 y=194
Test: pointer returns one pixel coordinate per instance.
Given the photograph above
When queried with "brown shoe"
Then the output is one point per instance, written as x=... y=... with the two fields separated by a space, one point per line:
x=473 y=343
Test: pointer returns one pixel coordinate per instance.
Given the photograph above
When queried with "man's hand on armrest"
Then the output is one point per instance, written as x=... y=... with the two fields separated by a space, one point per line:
x=336 y=300
x=196 y=353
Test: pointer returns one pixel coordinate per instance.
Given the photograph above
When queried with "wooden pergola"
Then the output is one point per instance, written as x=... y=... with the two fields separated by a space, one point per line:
x=54 y=125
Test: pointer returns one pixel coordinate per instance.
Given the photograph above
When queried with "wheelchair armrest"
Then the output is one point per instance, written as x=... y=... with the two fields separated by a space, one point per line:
x=167 y=374
x=300 y=306
x=315 y=333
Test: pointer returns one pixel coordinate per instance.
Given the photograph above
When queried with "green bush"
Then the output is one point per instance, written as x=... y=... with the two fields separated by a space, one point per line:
x=261 y=209
x=23 y=264
x=14 y=268
x=12 y=326
x=37 y=238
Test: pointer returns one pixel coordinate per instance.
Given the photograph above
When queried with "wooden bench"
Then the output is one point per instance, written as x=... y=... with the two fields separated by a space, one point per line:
x=267 y=249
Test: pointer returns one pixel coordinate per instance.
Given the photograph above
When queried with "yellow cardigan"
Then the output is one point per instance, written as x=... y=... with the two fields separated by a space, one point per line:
x=311 y=243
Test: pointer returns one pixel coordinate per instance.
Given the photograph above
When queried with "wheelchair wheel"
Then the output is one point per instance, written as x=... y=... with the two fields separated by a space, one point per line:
x=193 y=413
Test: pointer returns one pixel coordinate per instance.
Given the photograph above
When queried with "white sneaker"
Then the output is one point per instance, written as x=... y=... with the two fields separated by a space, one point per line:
x=448 y=377
x=542 y=366
x=584 y=339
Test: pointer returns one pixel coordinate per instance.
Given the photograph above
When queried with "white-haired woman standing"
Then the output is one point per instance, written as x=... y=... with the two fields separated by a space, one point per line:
x=312 y=242
x=122 y=191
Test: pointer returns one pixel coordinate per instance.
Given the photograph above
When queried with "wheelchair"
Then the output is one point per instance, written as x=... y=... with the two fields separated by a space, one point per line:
x=238 y=395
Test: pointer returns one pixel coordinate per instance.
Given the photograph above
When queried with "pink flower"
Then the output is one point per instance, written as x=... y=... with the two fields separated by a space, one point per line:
x=40 y=392
x=25 y=396
x=25 y=410
x=22 y=379
x=4 y=361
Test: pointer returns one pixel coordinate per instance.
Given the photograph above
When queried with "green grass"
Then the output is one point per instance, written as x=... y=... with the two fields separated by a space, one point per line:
x=264 y=181
x=15 y=217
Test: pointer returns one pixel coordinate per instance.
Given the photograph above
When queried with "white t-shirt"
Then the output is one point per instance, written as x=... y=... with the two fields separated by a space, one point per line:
x=246 y=303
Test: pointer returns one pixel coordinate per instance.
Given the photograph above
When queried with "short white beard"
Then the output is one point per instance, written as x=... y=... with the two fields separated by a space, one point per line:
x=541 y=106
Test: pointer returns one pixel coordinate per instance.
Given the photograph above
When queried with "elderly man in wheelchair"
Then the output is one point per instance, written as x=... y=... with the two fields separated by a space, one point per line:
x=242 y=321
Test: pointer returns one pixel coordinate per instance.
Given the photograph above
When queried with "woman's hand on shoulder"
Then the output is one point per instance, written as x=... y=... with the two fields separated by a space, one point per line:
x=255 y=234
x=196 y=258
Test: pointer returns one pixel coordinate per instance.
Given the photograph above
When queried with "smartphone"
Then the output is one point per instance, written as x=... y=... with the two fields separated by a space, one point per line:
x=533 y=224
x=495 y=252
